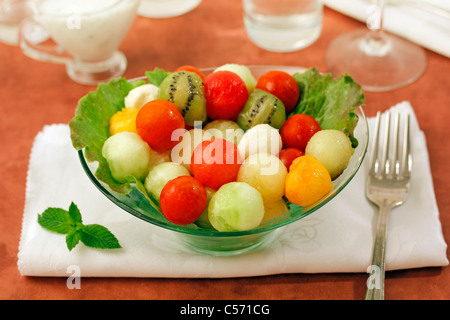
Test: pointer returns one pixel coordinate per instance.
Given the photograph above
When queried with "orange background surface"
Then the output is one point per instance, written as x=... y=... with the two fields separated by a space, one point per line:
x=34 y=93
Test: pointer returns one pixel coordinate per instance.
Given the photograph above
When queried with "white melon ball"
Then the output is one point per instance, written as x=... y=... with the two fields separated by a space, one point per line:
x=158 y=158
x=332 y=148
x=266 y=173
x=261 y=138
x=160 y=175
x=225 y=129
x=139 y=96
x=127 y=155
x=243 y=72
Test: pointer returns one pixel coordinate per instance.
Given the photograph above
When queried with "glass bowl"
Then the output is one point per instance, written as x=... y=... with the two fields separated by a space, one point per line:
x=213 y=242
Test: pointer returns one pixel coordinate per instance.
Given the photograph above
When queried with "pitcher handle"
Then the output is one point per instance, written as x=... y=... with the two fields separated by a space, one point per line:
x=36 y=43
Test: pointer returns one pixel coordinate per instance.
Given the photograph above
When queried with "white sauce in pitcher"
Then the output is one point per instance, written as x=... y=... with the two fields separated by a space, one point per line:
x=90 y=30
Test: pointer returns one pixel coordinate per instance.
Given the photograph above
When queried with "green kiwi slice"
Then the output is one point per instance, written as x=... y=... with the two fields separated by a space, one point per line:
x=186 y=90
x=262 y=107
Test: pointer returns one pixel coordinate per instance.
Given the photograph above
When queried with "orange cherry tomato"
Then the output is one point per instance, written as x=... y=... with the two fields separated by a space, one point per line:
x=155 y=123
x=192 y=69
x=183 y=200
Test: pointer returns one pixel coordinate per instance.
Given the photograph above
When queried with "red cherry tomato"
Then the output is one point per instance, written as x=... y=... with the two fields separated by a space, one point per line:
x=215 y=162
x=297 y=130
x=225 y=94
x=192 y=69
x=288 y=155
x=283 y=86
x=155 y=123
x=183 y=200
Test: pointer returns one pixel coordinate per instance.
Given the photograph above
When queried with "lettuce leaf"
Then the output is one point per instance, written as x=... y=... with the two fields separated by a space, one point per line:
x=331 y=101
x=89 y=128
x=156 y=76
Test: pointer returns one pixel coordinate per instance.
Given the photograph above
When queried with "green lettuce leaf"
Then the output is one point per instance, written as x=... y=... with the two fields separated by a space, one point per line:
x=89 y=128
x=156 y=76
x=331 y=101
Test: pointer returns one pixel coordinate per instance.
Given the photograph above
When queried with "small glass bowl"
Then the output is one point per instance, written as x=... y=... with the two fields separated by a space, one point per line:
x=213 y=242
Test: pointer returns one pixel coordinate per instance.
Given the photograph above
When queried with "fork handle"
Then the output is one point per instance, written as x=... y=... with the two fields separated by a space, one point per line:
x=375 y=283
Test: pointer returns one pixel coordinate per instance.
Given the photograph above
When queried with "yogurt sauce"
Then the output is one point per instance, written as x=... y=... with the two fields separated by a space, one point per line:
x=90 y=30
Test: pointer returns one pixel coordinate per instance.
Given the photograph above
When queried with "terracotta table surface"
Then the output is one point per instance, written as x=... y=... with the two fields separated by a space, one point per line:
x=34 y=93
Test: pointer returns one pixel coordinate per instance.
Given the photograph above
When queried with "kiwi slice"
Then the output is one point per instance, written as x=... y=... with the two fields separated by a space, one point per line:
x=186 y=90
x=262 y=107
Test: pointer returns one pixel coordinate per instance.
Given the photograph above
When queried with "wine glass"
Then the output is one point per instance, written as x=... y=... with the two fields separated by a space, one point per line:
x=376 y=60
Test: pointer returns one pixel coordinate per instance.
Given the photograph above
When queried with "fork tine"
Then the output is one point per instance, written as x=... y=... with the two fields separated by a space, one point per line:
x=406 y=161
x=384 y=169
x=395 y=149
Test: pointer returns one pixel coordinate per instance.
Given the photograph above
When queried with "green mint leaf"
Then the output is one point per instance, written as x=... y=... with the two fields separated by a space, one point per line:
x=75 y=214
x=56 y=220
x=97 y=236
x=70 y=223
x=156 y=76
x=72 y=239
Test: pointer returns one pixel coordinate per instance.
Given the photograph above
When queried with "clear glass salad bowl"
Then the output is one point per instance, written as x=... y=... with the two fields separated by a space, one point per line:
x=233 y=242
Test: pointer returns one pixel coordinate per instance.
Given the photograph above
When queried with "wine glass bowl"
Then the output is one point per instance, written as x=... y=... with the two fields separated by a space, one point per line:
x=378 y=61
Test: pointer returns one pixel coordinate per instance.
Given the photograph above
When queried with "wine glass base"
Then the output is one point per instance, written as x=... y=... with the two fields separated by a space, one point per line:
x=92 y=73
x=387 y=65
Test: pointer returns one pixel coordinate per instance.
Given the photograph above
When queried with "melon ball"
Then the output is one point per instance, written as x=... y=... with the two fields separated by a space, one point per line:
x=243 y=72
x=127 y=155
x=158 y=158
x=274 y=210
x=261 y=138
x=160 y=175
x=203 y=220
x=236 y=206
x=139 y=96
x=266 y=173
x=332 y=148
x=225 y=129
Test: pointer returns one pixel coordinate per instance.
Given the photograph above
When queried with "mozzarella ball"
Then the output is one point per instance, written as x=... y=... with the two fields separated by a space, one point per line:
x=261 y=138
x=141 y=95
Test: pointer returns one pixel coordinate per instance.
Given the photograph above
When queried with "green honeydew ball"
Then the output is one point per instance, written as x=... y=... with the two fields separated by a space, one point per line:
x=127 y=155
x=236 y=206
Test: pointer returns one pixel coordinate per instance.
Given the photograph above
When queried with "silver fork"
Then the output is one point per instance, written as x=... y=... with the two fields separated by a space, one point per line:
x=387 y=186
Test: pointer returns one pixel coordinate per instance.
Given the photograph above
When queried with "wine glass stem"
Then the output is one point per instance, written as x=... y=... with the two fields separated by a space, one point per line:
x=378 y=11
x=376 y=43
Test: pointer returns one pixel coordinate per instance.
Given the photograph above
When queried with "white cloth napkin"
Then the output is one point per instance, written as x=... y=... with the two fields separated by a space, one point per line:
x=411 y=22
x=337 y=238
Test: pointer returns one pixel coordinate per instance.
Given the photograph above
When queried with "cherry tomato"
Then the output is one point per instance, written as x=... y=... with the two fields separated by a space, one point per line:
x=288 y=155
x=226 y=94
x=297 y=130
x=183 y=200
x=215 y=162
x=192 y=69
x=155 y=123
x=283 y=86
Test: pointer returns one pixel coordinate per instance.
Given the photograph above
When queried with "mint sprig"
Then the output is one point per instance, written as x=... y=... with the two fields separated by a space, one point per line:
x=70 y=223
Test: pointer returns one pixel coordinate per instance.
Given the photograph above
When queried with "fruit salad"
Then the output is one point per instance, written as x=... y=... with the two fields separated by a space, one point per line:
x=221 y=150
